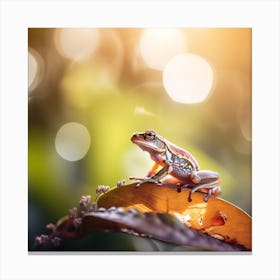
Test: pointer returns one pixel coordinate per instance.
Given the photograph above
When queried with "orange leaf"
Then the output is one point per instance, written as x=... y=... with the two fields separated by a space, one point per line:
x=216 y=217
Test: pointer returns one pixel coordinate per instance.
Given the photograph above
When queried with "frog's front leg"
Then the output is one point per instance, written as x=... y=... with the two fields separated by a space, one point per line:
x=205 y=180
x=150 y=174
x=154 y=170
x=156 y=177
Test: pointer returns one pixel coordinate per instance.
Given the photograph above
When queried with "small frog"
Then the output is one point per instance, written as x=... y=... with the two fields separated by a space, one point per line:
x=178 y=166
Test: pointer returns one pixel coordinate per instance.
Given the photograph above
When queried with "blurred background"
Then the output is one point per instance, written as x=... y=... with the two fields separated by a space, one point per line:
x=90 y=89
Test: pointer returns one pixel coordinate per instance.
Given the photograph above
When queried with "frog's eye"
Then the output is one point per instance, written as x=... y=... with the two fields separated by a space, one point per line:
x=149 y=135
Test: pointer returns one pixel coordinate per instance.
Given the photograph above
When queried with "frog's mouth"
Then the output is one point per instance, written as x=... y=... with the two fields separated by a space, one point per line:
x=147 y=146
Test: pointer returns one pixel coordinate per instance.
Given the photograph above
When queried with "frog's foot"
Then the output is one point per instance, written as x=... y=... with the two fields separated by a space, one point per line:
x=145 y=180
x=206 y=197
x=213 y=191
x=148 y=180
x=137 y=179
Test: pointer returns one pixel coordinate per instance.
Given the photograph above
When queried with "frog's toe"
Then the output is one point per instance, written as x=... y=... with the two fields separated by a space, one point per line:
x=206 y=197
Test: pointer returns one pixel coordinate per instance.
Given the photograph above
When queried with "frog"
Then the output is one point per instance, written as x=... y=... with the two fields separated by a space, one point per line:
x=176 y=166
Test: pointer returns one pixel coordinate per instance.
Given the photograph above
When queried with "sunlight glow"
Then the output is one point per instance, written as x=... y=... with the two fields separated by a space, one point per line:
x=158 y=46
x=76 y=43
x=72 y=141
x=188 y=78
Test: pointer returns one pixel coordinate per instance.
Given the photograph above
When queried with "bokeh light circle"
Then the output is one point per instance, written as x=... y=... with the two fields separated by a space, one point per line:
x=77 y=43
x=35 y=69
x=158 y=46
x=72 y=141
x=188 y=78
x=32 y=68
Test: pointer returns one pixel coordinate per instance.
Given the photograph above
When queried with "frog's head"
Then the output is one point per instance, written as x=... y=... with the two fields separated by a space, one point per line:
x=149 y=141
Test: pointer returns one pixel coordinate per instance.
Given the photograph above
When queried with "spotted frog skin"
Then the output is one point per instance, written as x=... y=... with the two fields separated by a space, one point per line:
x=174 y=165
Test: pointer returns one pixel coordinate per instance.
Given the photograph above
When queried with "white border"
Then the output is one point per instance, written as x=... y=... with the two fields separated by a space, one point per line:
x=17 y=16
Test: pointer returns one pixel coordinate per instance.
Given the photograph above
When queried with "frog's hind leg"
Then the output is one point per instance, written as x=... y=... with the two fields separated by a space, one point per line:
x=214 y=190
